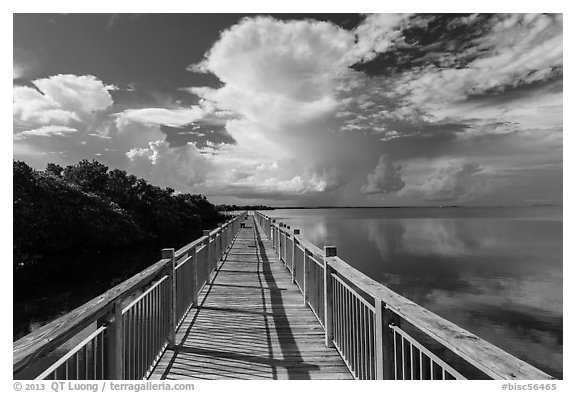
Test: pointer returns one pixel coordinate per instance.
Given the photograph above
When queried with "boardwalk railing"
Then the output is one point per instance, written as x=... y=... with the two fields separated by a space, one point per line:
x=125 y=330
x=378 y=333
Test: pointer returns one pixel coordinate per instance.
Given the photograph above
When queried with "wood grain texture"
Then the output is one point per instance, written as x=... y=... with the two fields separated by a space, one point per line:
x=488 y=358
x=394 y=308
x=251 y=324
x=50 y=336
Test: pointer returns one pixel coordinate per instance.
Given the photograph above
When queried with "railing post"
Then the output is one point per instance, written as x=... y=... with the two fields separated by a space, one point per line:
x=388 y=355
x=286 y=261
x=114 y=344
x=296 y=232
x=378 y=339
x=194 y=262
x=306 y=267
x=206 y=233
x=229 y=235
x=329 y=251
x=280 y=241
x=221 y=242
x=168 y=253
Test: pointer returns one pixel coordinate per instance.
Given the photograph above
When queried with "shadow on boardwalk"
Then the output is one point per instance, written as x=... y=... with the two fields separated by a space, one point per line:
x=251 y=324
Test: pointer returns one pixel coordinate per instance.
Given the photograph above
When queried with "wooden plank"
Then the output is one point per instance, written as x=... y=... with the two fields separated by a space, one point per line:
x=50 y=336
x=251 y=324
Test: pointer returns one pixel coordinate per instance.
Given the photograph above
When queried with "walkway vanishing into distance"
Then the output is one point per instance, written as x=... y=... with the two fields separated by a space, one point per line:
x=251 y=323
x=253 y=299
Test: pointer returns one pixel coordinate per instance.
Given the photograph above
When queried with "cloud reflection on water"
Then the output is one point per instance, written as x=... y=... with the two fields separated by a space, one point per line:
x=499 y=278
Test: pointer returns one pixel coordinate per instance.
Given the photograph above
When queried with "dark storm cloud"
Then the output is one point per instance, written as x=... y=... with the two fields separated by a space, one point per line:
x=201 y=134
x=442 y=40
x=346 y=21
x=434 y=94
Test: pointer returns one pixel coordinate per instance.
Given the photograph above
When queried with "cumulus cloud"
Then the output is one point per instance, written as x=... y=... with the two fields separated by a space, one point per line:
x=307 y=121
x=276 y=180
x=159 y=116
x=295 y=59
x=61 y=100
x=378 y=33
x=280 y=79
x=386 y=178
x=182 y=166
x=46 y=131
x=452 y=182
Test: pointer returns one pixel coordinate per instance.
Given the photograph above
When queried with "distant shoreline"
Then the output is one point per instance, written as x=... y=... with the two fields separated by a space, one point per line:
x=409 y=207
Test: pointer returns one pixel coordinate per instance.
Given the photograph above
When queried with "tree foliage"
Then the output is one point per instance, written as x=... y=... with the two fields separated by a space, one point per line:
x=86 y=205
x=225 y=207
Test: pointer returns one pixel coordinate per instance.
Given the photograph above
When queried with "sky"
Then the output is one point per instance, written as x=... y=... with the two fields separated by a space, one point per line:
x=302 y=109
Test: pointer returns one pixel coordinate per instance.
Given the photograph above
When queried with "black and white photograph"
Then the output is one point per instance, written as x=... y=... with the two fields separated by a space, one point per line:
x=287 y=196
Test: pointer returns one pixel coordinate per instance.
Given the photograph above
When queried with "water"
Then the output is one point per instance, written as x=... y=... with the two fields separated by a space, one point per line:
x=496 y=272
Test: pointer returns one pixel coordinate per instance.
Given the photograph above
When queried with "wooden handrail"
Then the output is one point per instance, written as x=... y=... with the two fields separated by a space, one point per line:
x=50 y=336
x=488 y=358
x=200 y=241
x=484 y=356
x=186 y=249
x=55 y=333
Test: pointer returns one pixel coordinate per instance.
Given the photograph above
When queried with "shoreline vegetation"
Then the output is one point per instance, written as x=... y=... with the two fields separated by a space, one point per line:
x=79 y=230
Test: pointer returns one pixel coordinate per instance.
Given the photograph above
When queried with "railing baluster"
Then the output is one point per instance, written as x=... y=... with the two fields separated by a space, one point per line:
x=138 y=337
x=421 y=369
x=364 y=356
x=411 y=362
x=340 y=318
x=95 y=357
x=369 y=339
x=395 y=357
x=355 y=330
x=348 y=326
x=133 y=344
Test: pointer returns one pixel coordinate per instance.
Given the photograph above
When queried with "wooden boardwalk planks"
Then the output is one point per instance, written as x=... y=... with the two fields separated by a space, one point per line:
x=251 y=324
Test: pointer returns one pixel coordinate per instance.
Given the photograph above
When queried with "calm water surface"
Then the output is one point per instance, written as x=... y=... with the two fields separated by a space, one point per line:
x=497 y=272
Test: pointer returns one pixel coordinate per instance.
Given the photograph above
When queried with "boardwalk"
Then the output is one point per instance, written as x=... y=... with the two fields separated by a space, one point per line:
x=251 y=324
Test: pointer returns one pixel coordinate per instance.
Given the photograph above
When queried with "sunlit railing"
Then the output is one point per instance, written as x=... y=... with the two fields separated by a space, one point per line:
x=127 y=328
x=378 y=333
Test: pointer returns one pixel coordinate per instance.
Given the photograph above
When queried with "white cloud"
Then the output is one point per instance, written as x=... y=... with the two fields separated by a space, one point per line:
x=160 y=116
x=280 y=79
x=61 y=100
x=520 y=49
x=306 y=124
x=181 y=166
x=378 y=33
x=281 y=91
x=46 y=131
x=454 y=180
x=385 y=179
x=296 y=59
